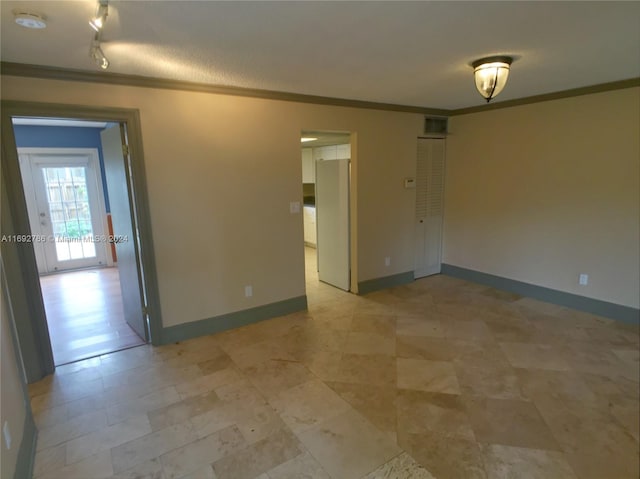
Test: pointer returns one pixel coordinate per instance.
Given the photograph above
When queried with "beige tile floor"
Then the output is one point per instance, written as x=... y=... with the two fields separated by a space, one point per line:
x=440 y=378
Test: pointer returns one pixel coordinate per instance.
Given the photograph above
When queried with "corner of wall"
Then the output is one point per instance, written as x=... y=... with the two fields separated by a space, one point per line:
x=27 y=450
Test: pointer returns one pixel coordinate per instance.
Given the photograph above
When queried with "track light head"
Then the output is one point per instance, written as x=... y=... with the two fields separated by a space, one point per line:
x=98 y=56
x=98 y=21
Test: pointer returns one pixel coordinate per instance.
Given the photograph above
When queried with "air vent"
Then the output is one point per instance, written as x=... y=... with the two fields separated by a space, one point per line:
x=435 y=126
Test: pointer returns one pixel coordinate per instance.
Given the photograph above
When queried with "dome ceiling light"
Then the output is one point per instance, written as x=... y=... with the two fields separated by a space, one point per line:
x=491 y=75
x=31 y=20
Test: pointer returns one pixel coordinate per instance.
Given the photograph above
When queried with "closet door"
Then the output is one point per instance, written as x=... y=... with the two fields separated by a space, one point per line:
x=429 y=206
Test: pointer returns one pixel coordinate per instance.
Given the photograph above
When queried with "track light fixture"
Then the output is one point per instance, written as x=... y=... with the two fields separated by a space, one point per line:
x=97 y=23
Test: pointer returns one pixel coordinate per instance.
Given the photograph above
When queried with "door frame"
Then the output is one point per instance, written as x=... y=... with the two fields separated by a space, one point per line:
x=20 y=264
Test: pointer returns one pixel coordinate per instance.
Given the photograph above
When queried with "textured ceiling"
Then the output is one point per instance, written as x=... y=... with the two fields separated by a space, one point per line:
x=408 y=53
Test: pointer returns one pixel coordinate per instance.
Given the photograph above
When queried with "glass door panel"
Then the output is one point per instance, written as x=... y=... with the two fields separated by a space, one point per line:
x=67 y=214
x=69 y=211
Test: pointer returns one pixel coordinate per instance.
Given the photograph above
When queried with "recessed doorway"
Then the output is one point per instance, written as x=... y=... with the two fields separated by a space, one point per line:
x=136 y=258
x=326 y=167
x=66 y=191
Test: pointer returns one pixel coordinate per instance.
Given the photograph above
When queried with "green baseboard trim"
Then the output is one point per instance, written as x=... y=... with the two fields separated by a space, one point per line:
x=233 y=320
x=27 y=452
x=376 y=284
x=618 y=312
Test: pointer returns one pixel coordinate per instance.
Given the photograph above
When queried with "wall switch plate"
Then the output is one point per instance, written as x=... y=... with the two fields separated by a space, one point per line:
x=248 y=291
x=7 y=434
x=409 y=183
x=387 y=261
x=294 y=207
x=584 y=279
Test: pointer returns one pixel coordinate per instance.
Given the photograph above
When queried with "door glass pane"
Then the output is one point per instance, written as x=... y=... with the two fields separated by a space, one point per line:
x=69 y=212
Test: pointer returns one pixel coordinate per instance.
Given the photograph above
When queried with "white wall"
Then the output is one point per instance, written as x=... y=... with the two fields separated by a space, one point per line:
x=221 y=171
x=536 y=193
x=543 y=192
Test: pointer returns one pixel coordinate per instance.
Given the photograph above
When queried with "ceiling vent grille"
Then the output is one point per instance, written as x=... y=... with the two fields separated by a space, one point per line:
x=435 y=126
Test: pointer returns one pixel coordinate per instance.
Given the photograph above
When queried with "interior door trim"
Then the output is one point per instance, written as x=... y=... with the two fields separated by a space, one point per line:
x=22 y=274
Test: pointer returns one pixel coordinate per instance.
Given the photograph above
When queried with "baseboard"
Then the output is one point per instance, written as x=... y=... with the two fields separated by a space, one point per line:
x=27 y=452
x=376 y=284
x=236 y=319
x=582 y=303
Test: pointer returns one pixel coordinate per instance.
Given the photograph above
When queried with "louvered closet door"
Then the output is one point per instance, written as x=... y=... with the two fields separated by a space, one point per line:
x=429 y=206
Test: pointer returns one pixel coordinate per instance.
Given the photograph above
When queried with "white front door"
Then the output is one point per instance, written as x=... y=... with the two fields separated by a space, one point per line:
x=65 y=209
x=332 y=210
x=429 y=206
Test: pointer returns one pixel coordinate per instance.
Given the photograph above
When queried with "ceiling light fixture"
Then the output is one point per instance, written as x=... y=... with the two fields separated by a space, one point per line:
x=491 y=75
x=98 y=55
x=97 y=23
x=100 y=17
x=305 y=139
x=30 y=19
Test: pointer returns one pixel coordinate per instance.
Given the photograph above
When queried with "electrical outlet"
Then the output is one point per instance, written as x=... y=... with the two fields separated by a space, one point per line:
x=294 y=207
x=7 y=434
x=583 y=280
x=387 y=261
x=248 y=291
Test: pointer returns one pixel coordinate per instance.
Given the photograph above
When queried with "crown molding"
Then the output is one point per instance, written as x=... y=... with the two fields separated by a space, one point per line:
x=66 y=74
x=587 y=90
x=54 y=73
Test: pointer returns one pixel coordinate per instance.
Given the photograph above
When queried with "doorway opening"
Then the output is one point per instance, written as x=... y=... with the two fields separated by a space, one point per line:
x=326 y=170
x=76 y=182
